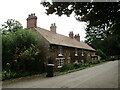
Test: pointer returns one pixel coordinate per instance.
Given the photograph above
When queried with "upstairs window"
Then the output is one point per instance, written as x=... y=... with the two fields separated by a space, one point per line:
x=88 y=53
x=82 y=53
x=60 y=52
x=76 y=52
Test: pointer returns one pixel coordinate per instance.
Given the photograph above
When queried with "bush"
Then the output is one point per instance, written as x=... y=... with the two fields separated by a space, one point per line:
x=103 y=60
x=24 y=51
x=9 y=74
x=101 y=54
x=67 y=67
x=50 y=60
x=76 y=65
x=85 y=64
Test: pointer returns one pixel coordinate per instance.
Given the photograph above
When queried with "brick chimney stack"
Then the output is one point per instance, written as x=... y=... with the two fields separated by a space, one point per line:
x=77 y=37
x=31 y=21
x=71 y=34
x=53 y=28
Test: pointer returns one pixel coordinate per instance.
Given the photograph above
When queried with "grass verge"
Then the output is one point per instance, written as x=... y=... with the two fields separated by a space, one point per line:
x=77 y=69
x=28 y=74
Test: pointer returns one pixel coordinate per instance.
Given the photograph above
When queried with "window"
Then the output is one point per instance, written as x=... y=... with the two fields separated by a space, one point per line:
x=82 y=53
x=68 y=59
x=88 y=53
x=60 y=62
x=76 y=52
x=60 y=51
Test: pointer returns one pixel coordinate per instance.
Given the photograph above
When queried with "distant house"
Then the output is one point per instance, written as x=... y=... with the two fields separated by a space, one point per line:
x=63 y=49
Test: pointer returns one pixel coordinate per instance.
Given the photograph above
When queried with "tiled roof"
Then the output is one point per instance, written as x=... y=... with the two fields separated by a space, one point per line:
x=58 y=39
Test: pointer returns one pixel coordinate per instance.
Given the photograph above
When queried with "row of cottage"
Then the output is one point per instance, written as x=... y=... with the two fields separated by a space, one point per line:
x=63 y=49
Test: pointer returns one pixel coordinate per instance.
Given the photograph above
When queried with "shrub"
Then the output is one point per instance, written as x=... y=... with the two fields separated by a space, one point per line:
x=24 y=51
x=101 y=54
x=50 y=60
x=9 y=74
x=103 y=60
x=76 y=65
x=85 y=64
x=67 y=67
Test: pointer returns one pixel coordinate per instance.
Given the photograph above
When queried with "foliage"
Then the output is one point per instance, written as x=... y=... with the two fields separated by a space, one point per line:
x=102 y=20
x=95 y=13
x=70 y=67
x=76 y=65
x=24 y=50
x=82 y=66
x=11 y=25
x=86 y=64
x=10 y=75
x=50 y=60
x=100 y=53
x=67 y=67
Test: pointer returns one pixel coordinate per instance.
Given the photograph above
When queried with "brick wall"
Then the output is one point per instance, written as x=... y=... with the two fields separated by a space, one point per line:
x=69 y=55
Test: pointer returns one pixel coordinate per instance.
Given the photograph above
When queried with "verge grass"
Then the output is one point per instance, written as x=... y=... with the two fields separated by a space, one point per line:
x=77 y=69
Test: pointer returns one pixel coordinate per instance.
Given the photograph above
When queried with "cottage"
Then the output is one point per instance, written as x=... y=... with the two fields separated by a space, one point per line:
x=63 y=49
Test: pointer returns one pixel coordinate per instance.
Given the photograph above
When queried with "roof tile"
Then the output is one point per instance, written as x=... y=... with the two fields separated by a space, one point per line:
x=58 y=39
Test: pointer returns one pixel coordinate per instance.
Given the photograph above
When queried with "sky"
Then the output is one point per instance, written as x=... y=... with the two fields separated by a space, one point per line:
x=20 y=9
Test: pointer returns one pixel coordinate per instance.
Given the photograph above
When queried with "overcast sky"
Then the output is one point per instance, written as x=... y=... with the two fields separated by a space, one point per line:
x=19 y=10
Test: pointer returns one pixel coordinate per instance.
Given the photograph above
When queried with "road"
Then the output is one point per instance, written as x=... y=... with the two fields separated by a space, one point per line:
x=101 y=76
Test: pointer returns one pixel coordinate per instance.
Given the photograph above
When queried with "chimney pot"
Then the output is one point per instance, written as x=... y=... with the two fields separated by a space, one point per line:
x=77 y=37
x=53 y=28
x=31 y=21
x=54 y=24
x=71 y=35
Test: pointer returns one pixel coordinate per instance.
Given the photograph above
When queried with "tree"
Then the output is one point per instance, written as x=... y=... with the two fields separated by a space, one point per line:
x=11 y=25
x=103 y=15
x=103 y=21
x=23 y=50
x=95 y=13
x=101 y=53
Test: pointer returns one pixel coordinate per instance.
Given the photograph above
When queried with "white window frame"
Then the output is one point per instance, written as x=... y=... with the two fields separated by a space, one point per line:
x=76 y=52
x=60 y=52
x=60 y=62
x=82 y=53
x=88 y=53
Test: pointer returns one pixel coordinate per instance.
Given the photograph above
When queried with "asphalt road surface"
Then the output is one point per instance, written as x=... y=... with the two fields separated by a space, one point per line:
x=101 y=76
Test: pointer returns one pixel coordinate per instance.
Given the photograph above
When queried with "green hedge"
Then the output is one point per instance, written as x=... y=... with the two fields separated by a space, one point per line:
x=22 y=51
x=10 y=75
x=67 y=67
